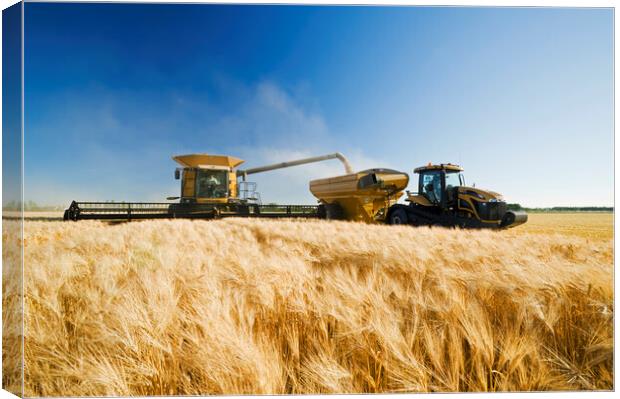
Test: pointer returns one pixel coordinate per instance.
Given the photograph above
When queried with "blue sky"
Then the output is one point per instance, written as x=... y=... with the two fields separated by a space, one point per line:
x=522 y=98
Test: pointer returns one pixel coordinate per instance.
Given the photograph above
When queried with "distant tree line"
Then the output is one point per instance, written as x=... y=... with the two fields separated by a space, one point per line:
x=30 y=206
x=518 y=207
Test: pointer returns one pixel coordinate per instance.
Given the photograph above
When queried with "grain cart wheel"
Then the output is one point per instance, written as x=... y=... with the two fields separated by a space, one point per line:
x=398 y=216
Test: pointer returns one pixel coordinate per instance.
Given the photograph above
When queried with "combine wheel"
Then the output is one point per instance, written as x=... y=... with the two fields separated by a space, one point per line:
x=334 y=212
x=399 y=216
x=331 y=212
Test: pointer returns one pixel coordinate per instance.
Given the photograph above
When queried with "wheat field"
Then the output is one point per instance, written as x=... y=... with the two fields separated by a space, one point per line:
x=244 y=306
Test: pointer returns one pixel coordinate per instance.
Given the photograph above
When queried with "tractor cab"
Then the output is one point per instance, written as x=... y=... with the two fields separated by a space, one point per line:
x=438 y=184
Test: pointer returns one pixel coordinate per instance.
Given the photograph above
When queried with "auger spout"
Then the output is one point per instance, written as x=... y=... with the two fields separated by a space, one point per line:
x=280 y=165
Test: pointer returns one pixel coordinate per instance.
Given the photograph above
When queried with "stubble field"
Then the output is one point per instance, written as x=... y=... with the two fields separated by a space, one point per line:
x=269 y=307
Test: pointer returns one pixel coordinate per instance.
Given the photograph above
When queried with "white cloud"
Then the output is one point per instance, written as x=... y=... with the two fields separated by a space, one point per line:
x=268 y=116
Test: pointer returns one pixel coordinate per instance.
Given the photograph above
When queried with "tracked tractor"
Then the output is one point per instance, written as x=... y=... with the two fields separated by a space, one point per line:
x=444 y=199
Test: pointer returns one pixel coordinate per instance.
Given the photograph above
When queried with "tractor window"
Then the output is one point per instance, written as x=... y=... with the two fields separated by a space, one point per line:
x=453 y=179
x=211 y=184
x=431 y=185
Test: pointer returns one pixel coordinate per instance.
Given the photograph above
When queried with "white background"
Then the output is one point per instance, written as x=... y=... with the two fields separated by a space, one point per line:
x=595 y=3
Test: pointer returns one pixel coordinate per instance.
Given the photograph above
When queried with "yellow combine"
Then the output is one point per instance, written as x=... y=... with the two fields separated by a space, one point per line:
x=212 y=186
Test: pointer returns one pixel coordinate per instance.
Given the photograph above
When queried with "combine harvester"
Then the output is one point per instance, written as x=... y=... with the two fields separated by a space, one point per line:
x=212 y=187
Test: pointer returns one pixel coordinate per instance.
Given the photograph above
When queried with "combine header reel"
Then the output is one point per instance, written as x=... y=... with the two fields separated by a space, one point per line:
x=160 y=210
